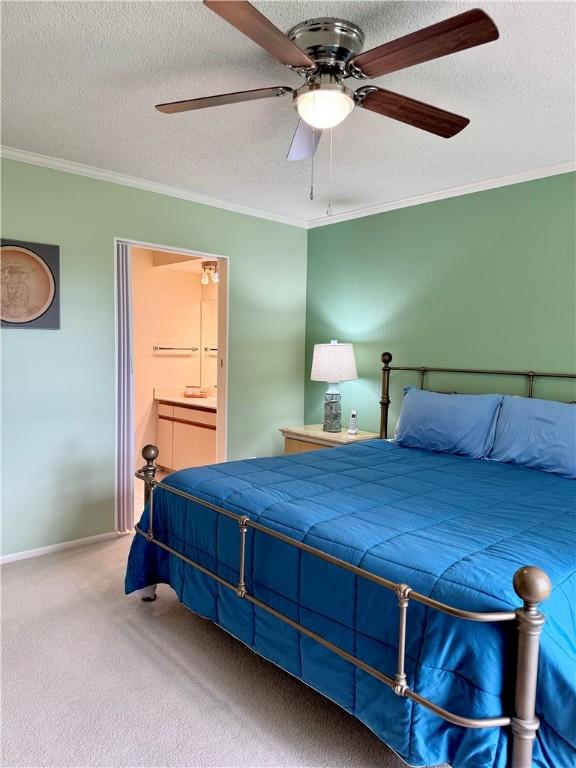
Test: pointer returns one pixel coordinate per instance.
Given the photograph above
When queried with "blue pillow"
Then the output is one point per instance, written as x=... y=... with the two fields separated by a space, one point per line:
x=540 y=434
x=434 y=421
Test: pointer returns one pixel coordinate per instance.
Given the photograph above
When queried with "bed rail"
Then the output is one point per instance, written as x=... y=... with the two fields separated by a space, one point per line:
x=386 y=358
x=531 y=584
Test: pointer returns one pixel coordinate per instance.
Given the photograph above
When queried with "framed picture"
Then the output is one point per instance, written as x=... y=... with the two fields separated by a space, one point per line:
x=30 y=282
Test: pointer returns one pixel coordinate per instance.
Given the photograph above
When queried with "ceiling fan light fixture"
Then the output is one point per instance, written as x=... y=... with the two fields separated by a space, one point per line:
x=325 y=105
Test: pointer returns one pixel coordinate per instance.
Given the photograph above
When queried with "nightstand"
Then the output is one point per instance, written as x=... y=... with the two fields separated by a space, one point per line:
x=313 y=438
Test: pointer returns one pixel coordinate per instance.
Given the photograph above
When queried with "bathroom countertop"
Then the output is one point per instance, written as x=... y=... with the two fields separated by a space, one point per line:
x=206 y=403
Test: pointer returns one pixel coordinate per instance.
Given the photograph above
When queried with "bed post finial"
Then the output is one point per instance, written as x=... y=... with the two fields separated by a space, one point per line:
x=385 y=399
x=533 y=585
x=149 y=454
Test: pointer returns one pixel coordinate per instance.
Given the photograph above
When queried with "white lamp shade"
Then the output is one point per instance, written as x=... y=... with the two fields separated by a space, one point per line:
x=333 y=363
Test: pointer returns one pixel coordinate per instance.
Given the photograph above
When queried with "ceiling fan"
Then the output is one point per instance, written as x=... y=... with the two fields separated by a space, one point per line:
x=327 y=51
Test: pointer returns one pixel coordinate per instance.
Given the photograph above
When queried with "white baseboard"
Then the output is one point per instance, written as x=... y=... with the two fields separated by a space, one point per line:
x=28 y=553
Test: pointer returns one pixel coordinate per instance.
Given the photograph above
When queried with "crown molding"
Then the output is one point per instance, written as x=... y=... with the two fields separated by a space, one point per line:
x=68 y=166
x=79 y=169
x=443 y=194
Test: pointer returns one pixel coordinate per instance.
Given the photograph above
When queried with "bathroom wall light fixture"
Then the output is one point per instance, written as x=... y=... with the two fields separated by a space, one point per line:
x=209 y=272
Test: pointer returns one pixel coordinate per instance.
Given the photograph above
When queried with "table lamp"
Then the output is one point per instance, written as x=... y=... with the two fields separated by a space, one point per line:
x=333 y=363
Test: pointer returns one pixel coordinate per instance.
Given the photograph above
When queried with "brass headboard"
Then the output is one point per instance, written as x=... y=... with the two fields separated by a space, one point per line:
x=423 y=370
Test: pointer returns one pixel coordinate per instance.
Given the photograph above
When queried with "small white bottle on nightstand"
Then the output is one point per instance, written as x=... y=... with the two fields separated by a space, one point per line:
x=353 y=424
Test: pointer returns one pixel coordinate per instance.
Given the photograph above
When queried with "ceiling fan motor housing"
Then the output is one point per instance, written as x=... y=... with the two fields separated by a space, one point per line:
x=330 y=43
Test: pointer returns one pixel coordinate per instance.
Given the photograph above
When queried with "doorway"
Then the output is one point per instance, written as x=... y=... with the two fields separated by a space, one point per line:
x=171 y=363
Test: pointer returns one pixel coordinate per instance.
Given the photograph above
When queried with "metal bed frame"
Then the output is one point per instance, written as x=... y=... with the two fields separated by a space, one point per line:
x=531 y=584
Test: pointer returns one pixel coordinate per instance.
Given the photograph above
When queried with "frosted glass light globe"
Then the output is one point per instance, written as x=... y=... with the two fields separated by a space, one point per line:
x=324 y=108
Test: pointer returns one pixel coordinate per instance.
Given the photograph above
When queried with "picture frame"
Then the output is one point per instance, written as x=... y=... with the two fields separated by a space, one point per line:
x=30 y=285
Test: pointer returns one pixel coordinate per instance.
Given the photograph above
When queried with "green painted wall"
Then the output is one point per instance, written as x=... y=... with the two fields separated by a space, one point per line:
x=58 y=386
x=485 y=280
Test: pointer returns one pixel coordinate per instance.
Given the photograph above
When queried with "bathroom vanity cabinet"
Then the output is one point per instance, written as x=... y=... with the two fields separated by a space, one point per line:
x=186 y=435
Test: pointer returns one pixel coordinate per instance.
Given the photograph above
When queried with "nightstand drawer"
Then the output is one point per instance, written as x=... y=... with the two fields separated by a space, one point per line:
x=299 y=446
x=313 y=438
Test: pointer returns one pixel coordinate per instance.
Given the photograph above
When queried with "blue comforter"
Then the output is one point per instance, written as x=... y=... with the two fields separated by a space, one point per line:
x=450 y=527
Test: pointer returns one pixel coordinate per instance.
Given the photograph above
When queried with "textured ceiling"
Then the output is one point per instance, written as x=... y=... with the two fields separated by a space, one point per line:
x=80 y=80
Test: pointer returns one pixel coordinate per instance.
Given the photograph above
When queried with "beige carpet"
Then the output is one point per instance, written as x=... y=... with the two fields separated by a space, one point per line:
x=93 y=678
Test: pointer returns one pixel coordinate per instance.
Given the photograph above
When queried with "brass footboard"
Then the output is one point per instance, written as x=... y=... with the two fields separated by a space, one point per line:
x=531 y=584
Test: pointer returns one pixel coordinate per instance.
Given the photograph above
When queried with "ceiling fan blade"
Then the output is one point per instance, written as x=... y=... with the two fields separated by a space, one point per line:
x=242 y=15
x=449 y=36
x=304 y=142
x=406 y=110
x=224 y=98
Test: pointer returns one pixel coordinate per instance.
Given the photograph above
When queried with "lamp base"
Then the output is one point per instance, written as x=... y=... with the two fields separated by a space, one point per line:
x=332 y=412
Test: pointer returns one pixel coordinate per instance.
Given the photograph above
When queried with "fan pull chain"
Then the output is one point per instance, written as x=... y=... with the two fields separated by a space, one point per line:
x=329 y=211
x=312 y=165
x=331 y=174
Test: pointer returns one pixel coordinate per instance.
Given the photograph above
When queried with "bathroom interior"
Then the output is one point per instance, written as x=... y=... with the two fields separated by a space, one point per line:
x=176 y=358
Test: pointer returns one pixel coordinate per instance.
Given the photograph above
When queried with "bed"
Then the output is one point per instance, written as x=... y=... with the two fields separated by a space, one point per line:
x=394 y=581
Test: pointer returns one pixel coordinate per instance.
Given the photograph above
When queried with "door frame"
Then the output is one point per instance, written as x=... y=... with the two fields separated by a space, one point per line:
x=223 y=349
